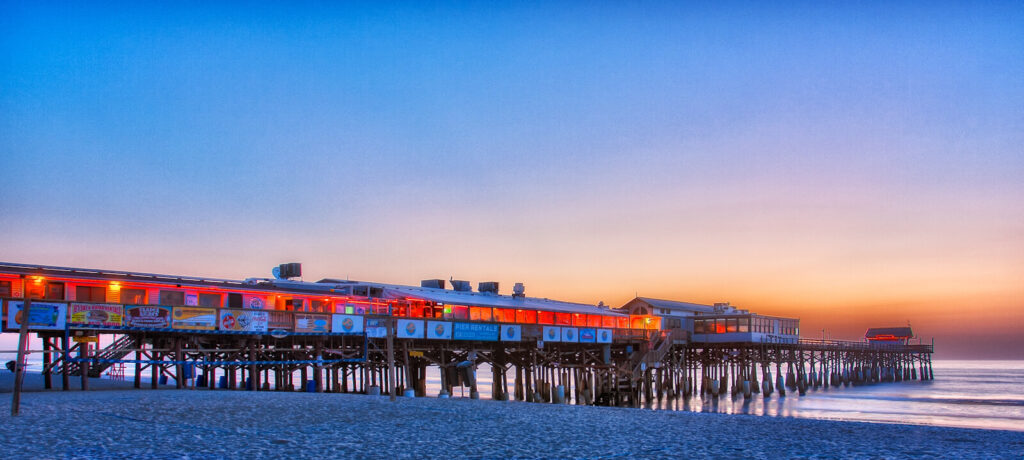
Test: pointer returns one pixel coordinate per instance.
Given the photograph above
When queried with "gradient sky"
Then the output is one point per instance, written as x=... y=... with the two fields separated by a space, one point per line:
x=849 y=165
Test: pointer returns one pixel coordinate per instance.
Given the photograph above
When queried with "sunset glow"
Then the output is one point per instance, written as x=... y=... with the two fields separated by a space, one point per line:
x=850 y=168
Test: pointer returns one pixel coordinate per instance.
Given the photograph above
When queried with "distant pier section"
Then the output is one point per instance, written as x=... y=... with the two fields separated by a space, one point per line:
x=338 y=335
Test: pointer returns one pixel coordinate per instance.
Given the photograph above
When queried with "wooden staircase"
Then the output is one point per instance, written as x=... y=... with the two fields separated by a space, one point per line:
x=116 y=350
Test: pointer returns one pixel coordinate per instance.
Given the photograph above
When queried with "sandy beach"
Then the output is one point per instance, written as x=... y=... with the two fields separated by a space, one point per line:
x=168 y=423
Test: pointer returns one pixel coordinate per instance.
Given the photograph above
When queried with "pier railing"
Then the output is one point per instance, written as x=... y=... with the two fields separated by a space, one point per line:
x=866 y=346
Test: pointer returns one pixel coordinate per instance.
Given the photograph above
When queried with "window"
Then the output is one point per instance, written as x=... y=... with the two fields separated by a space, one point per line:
x=545 y=317
x=593 y=320
x=622 y=322
x=526 y=316
x=608 y=321
x=5 y=288
x=172 y=297
x=209 y=300
x=294 y=305
x=732 y=325
x=133 y=296
x=563 y=319
x=505 y=315
x=90 y=294
x=235 y=300
x=460 y=312
x=54 y=291
x=744 y=324
x=480 y=313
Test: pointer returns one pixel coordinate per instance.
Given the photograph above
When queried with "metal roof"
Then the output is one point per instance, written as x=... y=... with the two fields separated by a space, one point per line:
x=674 y=305
x=899 y=332
x=492 y=300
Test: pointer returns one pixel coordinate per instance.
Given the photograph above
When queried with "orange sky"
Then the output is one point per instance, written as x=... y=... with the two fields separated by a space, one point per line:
x=853 y=165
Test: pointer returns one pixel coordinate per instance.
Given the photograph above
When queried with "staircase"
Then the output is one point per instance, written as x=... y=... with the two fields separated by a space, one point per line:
x=658 y=346
x=116 y=350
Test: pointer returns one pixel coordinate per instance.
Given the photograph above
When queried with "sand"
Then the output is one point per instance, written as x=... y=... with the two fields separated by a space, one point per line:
x=172 y=424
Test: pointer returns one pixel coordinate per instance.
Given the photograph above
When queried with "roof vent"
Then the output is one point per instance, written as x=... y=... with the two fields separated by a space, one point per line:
x=488 y=286
x=461 y=286
x=436 y=284
x=519 y=290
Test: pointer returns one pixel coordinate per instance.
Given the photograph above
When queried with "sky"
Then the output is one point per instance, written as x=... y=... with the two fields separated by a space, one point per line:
x=852 y=165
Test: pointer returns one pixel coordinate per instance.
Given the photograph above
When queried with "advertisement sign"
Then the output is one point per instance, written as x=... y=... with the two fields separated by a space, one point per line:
x=243 y=320
x=511 y=333
x=194 y=318
x=148 y=316
x=376 y=328
x=254 y=302
x=308 y=322
x=588 y=335
x=41 y=316
x=604 y=336
x=570 y=334
x=97 y=314
x=439 y=330
x=552 y=334
x=347 y=324
x=409 y=329
x=475 y=331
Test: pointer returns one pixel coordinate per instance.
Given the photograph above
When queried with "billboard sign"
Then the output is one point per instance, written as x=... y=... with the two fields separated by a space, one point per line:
x=439 y=330
x=588 y=335
x=511 y=333
x=376 y=328
x=409 y=329
x=347 y=324
x=570 y=334
x=97 y=314
x=552 y=334
x=243 y=320
x=307 y=322
x=475 y=331
x=604 y=336
x=41 y=316
x=194 y=318
x=147 y=316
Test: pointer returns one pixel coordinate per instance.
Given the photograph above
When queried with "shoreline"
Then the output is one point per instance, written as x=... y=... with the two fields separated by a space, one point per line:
x=236 y=424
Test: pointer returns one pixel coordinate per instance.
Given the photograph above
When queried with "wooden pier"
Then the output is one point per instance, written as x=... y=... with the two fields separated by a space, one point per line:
x=638 y=368
x=343 y=336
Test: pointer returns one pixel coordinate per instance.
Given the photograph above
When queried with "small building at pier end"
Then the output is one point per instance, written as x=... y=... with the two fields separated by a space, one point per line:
x=718 y=323
x=889 y=335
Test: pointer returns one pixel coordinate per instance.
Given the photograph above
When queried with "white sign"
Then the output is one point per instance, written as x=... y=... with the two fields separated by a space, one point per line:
x=409 y=329
x=552 y=334
x=347 y=324
x=604 y=336
x=511 y=333
x=439 y=330
x=570 y=334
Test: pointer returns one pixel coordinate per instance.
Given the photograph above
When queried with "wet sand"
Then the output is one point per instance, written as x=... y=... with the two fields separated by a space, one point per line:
x=168 y=423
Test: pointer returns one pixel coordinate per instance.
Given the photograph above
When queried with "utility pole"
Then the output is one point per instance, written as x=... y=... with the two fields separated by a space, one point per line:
x=391 y=359
x=19 y=367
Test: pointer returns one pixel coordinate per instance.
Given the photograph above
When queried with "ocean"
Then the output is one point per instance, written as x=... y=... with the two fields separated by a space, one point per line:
x=967 y=394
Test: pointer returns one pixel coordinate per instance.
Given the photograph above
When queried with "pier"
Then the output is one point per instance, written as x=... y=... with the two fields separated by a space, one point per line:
x=372 y=338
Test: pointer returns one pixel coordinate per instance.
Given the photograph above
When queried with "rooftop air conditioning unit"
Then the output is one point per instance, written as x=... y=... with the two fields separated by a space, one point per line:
x=488 y=286
x=461 y=286
x=435 y=284
x=519 y=290
x=290 y=270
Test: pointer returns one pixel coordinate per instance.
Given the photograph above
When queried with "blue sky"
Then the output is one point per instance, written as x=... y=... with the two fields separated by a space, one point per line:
x=801 y=159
